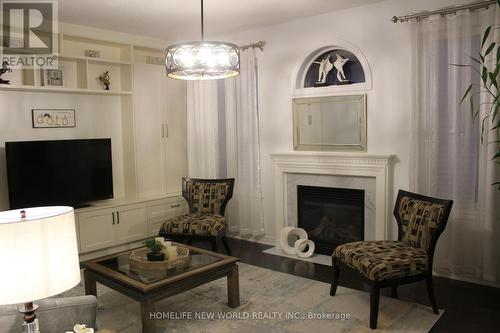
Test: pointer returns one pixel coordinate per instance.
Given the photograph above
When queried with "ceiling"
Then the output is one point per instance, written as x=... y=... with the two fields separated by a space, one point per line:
x=175 y=20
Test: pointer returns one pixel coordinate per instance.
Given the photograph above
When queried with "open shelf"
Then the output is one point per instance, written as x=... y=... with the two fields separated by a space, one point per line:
x=76 y=46
x=103 y=60
x=147 y=55
x=55 y=89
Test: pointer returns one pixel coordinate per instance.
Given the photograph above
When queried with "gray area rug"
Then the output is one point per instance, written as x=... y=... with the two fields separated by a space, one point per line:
x=270 y=302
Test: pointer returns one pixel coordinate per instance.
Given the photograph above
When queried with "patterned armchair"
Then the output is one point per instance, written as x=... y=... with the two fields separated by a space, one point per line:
x=207 y=200
x=421 y=220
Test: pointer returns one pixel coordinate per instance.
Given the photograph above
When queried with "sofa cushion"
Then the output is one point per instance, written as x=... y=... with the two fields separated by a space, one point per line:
x=382 y=260
x=54 y=314
x=194 y=224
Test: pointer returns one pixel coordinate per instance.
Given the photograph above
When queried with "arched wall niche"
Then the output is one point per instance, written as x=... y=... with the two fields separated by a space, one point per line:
x=359 y=68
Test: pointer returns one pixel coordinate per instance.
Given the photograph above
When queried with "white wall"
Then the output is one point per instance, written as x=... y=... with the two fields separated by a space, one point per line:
x=96 y=116
x=386 y=46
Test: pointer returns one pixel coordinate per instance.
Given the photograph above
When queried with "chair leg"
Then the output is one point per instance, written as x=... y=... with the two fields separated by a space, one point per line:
x=214 y=244
x=374 y=303
x=336 y=273
x=394 y=292
x=430 y=290
x=226 y=245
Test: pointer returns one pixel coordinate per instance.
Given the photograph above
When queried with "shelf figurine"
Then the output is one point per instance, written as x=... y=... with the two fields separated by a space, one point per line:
x=5 y=69
x=104 y=78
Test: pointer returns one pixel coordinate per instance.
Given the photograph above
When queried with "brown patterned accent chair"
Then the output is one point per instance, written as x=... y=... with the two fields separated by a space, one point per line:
x=207 y=200
x=421 y=220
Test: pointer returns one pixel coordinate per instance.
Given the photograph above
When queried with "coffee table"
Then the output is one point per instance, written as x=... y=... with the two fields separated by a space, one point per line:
x=148 y=287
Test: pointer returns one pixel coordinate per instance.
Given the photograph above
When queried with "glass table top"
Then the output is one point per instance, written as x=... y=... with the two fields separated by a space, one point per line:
x=121 y=264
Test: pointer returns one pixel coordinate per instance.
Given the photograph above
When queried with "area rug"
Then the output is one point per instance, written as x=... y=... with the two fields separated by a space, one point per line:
x=270 y=302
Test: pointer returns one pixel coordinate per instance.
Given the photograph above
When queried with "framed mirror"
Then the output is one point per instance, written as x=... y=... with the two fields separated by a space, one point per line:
x=332 y=123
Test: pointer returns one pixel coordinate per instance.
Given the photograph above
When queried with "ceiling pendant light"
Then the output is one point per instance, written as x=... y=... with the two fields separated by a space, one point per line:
x=202 y=60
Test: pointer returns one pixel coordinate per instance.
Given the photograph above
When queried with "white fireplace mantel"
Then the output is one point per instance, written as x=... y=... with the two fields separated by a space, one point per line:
x=336 y=164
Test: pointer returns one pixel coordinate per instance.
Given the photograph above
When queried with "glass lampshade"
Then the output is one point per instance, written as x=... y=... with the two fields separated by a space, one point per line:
x=38 y=253
x=202 y=60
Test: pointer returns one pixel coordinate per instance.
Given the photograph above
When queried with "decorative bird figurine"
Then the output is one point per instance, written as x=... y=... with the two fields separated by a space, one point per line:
x=105 y=79
x=325 y=66
x=339 y=66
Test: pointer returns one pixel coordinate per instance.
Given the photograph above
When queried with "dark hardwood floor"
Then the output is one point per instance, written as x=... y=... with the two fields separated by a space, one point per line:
x=468 y=307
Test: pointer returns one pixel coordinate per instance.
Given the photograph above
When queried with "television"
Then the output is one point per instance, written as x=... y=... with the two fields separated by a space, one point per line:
x=58 y=172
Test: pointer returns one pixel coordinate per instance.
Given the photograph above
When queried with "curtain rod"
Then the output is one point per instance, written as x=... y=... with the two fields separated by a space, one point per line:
x=260 y=44
x=443 y=11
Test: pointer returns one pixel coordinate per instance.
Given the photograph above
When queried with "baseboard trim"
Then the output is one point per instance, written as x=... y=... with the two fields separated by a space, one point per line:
x=267 y=240
x=469 y=280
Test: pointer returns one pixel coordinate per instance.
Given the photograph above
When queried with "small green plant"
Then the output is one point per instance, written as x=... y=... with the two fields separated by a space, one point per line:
x=487 y=66
x=153 y=245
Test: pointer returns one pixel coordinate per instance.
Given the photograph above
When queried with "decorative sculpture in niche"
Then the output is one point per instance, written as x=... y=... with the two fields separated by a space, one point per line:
x=334 y=67
x=325 y=66
x=339 y=66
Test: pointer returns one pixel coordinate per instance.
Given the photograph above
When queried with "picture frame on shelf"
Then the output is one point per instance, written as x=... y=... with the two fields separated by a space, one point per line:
x=53 y=118
x=53 y=77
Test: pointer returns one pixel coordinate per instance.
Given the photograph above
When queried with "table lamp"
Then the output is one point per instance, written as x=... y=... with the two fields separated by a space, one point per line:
x=38 y=257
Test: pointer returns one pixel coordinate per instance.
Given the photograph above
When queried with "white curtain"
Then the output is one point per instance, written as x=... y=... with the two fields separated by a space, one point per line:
x=243 y=147
x=448 y=159
x=202 y=129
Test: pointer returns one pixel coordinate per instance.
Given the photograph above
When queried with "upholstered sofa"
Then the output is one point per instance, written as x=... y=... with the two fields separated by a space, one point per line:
x=55 y=315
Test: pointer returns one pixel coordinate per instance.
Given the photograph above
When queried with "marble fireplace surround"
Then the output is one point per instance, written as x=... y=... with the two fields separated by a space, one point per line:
x=346 y=170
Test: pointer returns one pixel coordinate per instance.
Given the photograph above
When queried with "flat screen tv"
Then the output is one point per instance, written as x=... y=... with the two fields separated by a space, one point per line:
x=58 y=172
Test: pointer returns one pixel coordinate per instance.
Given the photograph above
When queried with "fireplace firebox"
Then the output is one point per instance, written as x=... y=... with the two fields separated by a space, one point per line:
x=331 y=216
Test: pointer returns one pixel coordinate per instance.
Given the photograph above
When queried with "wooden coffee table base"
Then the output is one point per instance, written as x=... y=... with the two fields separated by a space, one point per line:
x=149 y=298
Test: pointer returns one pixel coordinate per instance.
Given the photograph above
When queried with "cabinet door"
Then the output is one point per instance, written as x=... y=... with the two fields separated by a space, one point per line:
x=131 y=223
x=161 y=210
x=149 y=96
x=176 y=141
x=96 y=230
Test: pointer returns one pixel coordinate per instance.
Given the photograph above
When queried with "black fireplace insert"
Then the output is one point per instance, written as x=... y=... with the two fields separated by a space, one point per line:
x=331 y=216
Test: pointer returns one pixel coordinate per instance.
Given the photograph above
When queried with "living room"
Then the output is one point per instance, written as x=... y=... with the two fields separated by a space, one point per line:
x=383 y=113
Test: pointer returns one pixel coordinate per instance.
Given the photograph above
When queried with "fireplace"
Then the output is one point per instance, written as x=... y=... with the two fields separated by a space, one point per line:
x=331 y=216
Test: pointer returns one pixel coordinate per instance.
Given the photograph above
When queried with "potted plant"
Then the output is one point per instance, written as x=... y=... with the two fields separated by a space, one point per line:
x=487 y=66
x=156 y=248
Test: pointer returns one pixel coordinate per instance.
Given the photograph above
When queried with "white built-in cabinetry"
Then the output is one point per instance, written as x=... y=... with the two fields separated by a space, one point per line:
x=159 y=130
x=153 y=127
x=108 y=227
x=114 y=223
x=81 y=73
x=153 y=107
x=162 y=209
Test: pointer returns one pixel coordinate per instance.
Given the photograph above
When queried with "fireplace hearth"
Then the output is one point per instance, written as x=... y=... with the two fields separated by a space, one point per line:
x=331 y=216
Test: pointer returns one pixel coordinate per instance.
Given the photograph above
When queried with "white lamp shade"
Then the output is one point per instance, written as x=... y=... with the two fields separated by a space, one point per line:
x=38 y=255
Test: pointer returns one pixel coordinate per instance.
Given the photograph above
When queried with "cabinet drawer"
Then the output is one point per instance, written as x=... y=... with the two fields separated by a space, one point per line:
x=160 y=210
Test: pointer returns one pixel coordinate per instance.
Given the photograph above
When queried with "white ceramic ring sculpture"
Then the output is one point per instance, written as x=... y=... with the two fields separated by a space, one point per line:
x=285 y=235
x=300 y=246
